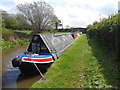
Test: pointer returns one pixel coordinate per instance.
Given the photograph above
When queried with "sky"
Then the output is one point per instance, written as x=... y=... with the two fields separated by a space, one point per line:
x=73 y=13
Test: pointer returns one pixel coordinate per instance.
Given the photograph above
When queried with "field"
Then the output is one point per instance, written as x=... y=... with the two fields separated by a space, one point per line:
x=24 y=31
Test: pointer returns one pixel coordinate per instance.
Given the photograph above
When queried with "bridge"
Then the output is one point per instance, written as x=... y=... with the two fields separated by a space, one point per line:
x=79 y=29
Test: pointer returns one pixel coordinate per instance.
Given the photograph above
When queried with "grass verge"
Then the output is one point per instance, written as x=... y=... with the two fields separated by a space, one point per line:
x=7 y=45
x=84 y=65
x=24 y=31
x=10 y=39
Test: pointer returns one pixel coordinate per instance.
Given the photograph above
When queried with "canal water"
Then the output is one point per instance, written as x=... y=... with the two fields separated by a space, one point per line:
x=11 y=76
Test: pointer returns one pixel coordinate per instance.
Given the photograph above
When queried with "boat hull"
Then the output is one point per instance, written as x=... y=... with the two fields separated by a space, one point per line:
x=28 y=68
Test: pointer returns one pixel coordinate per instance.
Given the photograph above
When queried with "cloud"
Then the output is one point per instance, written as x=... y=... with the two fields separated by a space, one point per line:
x=73 y=15
x=119 y=6
x=77 y=13
x=8 y=5
x=108 y=9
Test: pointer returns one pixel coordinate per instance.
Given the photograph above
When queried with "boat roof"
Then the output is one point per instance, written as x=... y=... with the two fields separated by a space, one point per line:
x=55 y=43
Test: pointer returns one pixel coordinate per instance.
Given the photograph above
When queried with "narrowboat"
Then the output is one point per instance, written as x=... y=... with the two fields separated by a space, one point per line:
x=43 y=50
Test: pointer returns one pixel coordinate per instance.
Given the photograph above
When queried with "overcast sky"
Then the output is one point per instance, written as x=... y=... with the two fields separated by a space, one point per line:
x=75 y=13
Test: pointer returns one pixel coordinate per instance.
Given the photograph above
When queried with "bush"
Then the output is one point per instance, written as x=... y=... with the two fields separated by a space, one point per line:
x=21 y=42
x=106 y=32
x=8 y=35
x=7 y=44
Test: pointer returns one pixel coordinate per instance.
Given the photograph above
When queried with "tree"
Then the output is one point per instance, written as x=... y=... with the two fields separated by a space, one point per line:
x=67 y=26
x=57 y=22
x=39 y=14
x=4 y=14
x=88 y=26
x=22 y=22
x=95 y=22
x=10 y=22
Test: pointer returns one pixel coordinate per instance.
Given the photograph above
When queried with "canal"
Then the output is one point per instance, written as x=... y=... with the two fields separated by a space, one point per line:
x=11 y=76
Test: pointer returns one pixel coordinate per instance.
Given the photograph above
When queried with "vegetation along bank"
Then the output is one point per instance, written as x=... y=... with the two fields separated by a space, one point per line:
x=11 y=38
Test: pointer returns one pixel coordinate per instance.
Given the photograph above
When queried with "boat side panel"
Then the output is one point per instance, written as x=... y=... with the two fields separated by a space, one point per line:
x=27 y=68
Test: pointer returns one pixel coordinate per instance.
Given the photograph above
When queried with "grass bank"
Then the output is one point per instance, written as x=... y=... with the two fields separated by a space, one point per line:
x=11 y=39
x=84 y=65
x=24 y=31
x=7 y=44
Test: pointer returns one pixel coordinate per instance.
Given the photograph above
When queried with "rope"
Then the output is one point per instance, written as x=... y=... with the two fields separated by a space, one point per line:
x=38 y=70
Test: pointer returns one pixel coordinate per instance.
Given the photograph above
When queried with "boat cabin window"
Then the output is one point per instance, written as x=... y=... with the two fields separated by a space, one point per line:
x=37 y=45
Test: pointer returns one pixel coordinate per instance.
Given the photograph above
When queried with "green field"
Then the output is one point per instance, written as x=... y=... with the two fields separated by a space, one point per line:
x=84 y=65
x=24 y=31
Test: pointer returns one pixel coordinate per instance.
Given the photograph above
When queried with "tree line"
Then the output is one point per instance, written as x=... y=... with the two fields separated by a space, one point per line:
x=14 y=21
x=36 y=16
x=106 y=32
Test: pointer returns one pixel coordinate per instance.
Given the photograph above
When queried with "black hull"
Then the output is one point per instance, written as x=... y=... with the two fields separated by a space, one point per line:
x=28 y=68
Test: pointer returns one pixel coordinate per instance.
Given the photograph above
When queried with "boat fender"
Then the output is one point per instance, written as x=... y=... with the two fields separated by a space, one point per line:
x=16 y=62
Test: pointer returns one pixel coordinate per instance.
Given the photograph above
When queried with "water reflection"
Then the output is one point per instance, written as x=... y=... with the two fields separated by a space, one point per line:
x=28 y=79
x=14 y=79
x=9 y=78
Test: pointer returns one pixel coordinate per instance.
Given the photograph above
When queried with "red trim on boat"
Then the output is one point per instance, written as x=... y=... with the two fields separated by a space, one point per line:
x=19 y=55
x=38 y=60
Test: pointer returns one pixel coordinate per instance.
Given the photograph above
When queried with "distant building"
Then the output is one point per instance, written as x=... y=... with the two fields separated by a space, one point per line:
x=79 y=29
